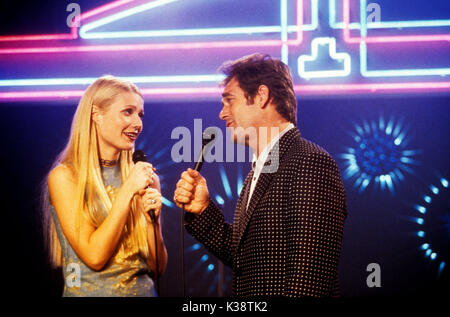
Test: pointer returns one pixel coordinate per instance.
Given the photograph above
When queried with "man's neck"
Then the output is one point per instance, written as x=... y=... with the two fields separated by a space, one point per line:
x=268 y=135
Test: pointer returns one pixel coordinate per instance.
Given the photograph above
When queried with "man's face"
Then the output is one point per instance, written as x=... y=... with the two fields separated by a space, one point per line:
x=240 y=117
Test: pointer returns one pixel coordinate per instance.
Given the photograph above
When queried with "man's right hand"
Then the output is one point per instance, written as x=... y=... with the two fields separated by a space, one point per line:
x=192 y=192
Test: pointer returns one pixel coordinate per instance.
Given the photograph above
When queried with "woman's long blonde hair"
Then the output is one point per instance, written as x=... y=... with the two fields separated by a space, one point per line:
x=81 y=155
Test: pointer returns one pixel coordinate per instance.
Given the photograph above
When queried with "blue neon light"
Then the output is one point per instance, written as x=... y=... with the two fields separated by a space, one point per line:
x=284 y=28
x=167 y=202
x=191 y=32
x=389 y=73
x=340 y=57
x=219 y=199
x=364 y=26
x=214 y=78
x=431 y=254
x=441 y=267
x=239 y=185
x=89 y=80
x=382 y=24
x=121 y=15
x=284 y=31
x=421 y=209
x=377 y=157
x=434 y=189
x=398 y=72
x=314 y=17
x=225 y=183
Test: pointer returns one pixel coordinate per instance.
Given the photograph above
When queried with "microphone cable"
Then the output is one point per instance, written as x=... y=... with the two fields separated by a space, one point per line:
x=139 y=156
x=208 y=139
x=152 y=215
x=183 y=285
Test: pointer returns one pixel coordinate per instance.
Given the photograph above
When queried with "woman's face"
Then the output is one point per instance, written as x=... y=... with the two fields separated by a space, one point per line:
x=119 y=126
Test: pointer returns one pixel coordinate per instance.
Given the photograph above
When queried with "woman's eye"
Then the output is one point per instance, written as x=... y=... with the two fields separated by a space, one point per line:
x=141 y=115
x=128 y=111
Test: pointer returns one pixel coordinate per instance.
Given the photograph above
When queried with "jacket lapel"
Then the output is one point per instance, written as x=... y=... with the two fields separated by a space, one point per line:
x=242 y=214
x=240 y=209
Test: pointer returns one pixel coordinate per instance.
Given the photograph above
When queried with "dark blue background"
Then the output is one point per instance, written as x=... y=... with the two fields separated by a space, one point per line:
x=379 y=228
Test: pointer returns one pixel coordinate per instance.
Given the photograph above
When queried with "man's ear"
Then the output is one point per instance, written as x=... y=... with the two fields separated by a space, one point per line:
x=96 y=115
x=262 y=96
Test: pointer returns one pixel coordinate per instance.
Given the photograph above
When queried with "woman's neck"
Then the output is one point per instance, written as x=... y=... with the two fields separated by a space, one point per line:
x=108 y=158
x=109 y=154
x=108 y=162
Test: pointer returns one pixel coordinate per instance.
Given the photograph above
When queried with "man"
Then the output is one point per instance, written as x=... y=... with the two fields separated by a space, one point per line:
x=288 y=225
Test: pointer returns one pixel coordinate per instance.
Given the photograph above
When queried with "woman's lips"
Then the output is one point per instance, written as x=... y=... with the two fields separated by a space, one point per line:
x=131 y=135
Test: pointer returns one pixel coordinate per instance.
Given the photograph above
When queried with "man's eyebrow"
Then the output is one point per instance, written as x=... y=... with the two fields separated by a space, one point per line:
x=226 y=94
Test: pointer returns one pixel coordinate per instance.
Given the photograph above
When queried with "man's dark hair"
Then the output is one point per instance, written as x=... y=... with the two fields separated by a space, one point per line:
x=261 y=69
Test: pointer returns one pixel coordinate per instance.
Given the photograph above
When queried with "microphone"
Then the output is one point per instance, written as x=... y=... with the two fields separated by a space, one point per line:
x=208 y=139
x=139 y=156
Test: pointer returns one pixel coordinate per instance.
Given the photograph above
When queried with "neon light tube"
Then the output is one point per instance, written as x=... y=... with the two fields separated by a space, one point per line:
x=382 y=24
x=385 y=39
x=65 y=36
x=89 y=80
x=203 y=91
x=123 y=14
x=396 y=72
x=331 y=42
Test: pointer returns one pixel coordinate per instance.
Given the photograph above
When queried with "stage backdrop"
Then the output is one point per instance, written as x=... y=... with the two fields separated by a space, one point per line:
x=372 y=83
x=392 y=223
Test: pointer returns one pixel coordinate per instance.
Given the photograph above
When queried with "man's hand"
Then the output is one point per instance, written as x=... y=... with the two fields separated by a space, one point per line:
x=192 y=192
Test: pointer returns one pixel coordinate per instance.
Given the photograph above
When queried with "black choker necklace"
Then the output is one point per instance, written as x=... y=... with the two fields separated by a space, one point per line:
x=108 y=162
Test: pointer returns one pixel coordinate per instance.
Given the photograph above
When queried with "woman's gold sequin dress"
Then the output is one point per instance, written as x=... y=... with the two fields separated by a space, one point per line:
x=126 y=274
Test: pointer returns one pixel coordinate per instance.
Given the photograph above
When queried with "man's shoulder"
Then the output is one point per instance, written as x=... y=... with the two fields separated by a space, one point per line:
x=303 y=148
x=306 y=157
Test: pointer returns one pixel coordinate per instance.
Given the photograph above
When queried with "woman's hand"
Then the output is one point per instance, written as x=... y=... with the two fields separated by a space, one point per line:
x=151 y=199
x=141 y=176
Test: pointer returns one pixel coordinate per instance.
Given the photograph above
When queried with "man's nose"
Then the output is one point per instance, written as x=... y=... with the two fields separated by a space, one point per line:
x=222 y=113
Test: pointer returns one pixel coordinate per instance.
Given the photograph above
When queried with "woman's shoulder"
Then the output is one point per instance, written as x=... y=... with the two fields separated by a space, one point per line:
x=61 y=174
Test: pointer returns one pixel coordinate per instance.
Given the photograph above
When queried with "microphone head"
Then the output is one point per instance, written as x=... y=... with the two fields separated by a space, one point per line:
x=139 y=156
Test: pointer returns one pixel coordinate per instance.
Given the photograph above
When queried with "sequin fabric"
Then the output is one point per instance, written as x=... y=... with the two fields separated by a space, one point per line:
x=125 y=275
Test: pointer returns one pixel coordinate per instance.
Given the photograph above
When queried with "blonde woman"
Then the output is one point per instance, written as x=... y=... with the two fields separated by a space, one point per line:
x=95 y=214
